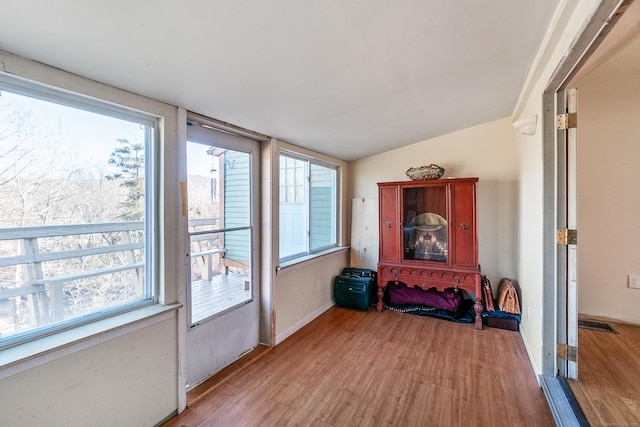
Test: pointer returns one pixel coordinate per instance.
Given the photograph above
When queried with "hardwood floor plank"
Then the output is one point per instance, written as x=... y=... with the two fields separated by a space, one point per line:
x=630 y=335
x=608 y=386
x=209 y=385
x=350 y=368
x=219 y=402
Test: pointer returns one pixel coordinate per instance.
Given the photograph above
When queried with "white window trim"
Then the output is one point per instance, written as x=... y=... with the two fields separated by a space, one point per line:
x=310 y=254
x=24 y=356
x=37 y=352
x=38 y=90
x=306 y=259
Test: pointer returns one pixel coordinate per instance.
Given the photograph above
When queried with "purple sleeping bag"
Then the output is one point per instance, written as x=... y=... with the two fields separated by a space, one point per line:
x=449 y=299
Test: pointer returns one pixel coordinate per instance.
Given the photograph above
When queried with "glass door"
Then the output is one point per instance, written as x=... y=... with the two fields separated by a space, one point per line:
x=223 y=304
x=424 y=214
x=219 y=230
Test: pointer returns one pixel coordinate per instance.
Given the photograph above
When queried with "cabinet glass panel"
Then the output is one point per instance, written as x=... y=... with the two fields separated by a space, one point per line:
x=424 y=214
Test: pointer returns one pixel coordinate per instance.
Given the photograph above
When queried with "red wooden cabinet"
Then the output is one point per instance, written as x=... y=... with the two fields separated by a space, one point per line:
x=428 y=236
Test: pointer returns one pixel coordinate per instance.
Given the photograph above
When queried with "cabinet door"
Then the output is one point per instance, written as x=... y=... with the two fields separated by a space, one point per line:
x=389 y=223
x=463 y=225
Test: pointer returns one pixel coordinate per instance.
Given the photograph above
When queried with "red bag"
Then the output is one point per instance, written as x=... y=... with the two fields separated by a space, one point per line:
x=487 y=294
x=449 y=299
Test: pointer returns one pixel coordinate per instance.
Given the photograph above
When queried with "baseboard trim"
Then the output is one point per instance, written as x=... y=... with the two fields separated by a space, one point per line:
x=167 y=418
x=306 y=320
x=532 y=361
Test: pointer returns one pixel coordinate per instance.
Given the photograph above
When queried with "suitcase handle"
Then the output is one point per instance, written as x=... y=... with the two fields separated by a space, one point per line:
x=359 y=275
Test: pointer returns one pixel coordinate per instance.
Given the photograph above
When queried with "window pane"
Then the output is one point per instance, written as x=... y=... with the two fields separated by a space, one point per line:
x=291 y=180
x=220 y=272
x=308 y=208
x=299 y=174
x=236 y=189
x=298 y=197
x=290 y=177
x=203 y=186
x=72 y=213
x=219 y=182
x=290 y=191
x=322 y=207
x=293 y=213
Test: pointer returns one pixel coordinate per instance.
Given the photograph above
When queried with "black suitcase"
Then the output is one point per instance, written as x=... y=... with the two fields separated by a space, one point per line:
x=355 y=288
x=362 y=272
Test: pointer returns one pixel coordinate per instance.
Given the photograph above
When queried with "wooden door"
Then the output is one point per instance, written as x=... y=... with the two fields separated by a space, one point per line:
x=463 y=224
x=390 y=225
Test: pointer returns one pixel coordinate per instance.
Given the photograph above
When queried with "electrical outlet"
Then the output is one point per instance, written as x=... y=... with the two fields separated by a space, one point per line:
x=634 y=281
x=318 y=284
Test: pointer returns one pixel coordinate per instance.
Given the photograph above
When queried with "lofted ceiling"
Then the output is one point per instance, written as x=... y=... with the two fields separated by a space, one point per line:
x=348 y=78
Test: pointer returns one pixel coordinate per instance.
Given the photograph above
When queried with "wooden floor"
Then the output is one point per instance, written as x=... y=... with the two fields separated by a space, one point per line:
x=608 y=386
x=352 y=368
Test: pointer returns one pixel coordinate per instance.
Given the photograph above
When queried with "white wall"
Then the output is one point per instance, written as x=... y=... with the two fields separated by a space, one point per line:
x=608 y=196
x=116 y=379
x=524 y=204
x=305 y=291
x=295 y=294
x=127 y=381
x=565 y=26
x=131 y=379
x=488 y=152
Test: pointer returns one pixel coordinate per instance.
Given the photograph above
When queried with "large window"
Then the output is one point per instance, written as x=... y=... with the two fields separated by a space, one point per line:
x=76 y=210
x=308 y=207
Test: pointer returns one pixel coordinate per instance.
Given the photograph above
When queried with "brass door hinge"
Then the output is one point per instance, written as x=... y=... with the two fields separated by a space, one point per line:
x=567 y=352
x=567 y=237
x=567 y=121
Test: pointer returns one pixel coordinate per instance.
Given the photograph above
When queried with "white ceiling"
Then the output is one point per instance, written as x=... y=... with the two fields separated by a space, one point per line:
x=349 y=78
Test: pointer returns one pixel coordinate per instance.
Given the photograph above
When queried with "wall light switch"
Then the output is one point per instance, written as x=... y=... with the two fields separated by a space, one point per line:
x=634 y=281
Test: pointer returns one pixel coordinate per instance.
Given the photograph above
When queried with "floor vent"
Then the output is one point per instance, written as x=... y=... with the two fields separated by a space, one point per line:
x=596 y=326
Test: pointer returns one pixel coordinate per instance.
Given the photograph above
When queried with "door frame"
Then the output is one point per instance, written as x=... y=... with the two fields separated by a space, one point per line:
x=555 y=292
x=555 y=196
x=183 y=244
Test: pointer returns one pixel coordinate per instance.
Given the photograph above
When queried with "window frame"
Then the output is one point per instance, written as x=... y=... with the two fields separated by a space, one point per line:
x=37 y=90
x=310 y=160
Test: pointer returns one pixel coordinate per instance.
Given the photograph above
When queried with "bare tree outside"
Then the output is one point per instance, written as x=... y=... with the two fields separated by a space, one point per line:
x=129 y=159
x=72 y=212
x=55 y=171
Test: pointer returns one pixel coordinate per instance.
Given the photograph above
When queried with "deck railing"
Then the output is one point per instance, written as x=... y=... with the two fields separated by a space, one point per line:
x=38 y=264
